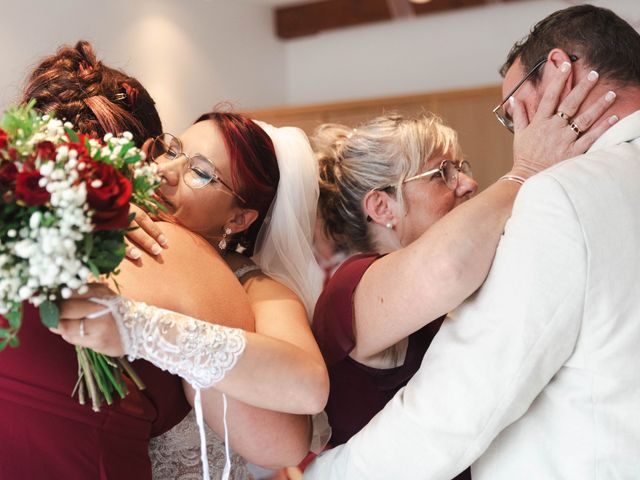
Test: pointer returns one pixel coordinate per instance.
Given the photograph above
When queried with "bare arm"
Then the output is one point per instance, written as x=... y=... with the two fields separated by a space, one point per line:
x=451 y=260
x=279 y=315
x=258 y=369
x=285 y=347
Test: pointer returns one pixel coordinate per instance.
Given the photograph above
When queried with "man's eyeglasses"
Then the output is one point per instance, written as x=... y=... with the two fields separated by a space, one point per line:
x=502 y=116
x=200 y=171
x=448 y=170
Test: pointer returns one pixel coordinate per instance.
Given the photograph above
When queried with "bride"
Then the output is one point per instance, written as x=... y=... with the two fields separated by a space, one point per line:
x=240 y=186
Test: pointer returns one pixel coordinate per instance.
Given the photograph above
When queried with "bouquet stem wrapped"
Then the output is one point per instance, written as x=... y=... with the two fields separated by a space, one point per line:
x=64 y=213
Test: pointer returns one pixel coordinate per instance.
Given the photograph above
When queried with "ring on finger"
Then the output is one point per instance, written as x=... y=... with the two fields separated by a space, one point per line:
x=563 y=116
x=82 y=332
x=575 y=129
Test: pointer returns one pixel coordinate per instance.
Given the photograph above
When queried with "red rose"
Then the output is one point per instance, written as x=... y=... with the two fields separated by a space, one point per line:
x=28 y=190
x=46 y=151
x=80 y=145
x=109 y=198
x=8 y=173
x=13 y=154
x=3 y=139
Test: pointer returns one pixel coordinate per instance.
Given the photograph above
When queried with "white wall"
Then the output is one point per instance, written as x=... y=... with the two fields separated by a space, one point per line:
x=437 y=52
x=190 y=54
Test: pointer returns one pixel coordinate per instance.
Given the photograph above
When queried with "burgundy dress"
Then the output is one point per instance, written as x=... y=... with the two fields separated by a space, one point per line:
x=358 y=392
x=47 y=434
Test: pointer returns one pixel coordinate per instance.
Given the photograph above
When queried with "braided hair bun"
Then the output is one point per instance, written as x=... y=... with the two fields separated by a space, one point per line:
x=94 y=97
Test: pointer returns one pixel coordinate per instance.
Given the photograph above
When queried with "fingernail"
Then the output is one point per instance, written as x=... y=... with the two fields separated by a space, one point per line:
x=610 y=96
x=593 y=76
x=565 y=67
x=162 y=240
x=612 y=119
x=512 y=101
x=135 y=253
x=156 y=249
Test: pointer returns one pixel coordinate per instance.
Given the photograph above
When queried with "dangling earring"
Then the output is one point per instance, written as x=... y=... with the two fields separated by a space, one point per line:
x=222 y=244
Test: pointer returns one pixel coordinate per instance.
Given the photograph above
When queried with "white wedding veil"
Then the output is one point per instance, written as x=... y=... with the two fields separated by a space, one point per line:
x=283 y=248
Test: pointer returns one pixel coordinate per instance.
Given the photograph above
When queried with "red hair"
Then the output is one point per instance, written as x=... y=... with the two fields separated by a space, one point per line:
x=96 y=98
x=254 y=167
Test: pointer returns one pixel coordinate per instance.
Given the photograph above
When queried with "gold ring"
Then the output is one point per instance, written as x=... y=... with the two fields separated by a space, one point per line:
x=575 y=129
x=563 y=116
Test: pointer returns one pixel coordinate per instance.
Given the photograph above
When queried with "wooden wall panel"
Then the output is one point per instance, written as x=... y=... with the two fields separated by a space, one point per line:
x=485 y=143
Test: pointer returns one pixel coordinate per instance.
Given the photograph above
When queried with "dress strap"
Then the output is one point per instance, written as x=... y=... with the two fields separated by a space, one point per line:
x=242 y=271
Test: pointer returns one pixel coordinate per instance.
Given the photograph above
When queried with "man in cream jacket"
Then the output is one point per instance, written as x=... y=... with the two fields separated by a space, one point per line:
x=537 y=376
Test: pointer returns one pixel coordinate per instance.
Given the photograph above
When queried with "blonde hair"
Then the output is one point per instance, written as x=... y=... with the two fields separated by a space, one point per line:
x=377 y=154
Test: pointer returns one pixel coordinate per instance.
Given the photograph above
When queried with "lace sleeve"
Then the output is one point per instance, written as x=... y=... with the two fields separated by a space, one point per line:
x=200 y=352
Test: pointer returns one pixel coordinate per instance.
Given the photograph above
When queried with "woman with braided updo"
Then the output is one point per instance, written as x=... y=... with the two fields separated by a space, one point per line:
x=94 y=97
x=390 y=189
x=45 y=432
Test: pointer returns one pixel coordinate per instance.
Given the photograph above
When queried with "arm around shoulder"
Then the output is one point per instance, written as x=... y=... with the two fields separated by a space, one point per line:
x=490 y=359
x=190 y=278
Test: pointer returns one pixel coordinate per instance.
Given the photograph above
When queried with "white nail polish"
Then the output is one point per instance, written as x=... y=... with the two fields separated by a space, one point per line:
x=512 y=101
x=565 y=67
x=156 y=249
x=610 y=96
x=135 y=253
x=162 y=240
x=593 y=76
x=612 y=119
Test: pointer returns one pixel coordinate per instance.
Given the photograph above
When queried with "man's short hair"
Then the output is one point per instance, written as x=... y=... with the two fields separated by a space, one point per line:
x=597 y=36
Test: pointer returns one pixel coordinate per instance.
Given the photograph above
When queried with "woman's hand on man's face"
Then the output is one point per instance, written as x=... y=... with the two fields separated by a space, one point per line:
x=560 y=128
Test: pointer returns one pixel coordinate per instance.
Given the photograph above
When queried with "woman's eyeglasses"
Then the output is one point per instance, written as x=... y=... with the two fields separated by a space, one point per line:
x=200 y=171
x=448 y=170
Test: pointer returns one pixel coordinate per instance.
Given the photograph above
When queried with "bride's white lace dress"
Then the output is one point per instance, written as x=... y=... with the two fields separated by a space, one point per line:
x=175 y=455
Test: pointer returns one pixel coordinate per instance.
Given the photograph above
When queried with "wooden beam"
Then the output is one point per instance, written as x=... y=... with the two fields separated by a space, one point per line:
x=310 y=18
x=437 y=6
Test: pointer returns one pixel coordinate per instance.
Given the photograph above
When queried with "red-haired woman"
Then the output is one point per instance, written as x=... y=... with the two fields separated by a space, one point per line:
x=249 y=190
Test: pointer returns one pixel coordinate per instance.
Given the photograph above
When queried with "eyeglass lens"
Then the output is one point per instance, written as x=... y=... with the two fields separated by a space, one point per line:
x=200 y=172
x=451 y=170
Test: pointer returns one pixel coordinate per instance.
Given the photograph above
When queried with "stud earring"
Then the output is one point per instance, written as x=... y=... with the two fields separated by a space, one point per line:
x=389 y=225
x=222 y=244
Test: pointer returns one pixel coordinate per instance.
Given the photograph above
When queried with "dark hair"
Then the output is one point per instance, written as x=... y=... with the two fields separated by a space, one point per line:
x=97 y=99
x=599 y=37
x=254 y=168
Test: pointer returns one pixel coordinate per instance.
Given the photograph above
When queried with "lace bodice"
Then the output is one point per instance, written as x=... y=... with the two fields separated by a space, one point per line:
x=175 y=455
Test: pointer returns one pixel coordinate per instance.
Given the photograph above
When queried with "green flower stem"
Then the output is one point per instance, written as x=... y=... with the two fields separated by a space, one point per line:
x=83 y=361
x=131 y=372
x=100 y=377
x=111 y=378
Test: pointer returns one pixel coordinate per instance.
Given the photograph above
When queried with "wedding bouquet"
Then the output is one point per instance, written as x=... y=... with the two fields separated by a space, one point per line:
x=64 y=213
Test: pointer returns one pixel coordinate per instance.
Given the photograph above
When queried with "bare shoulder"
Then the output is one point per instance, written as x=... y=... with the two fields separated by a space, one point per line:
x=261 y=287
x=189 y=277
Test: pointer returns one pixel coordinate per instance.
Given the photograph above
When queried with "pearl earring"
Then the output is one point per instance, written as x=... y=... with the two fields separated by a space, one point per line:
x=222 y=244
x=389 y=225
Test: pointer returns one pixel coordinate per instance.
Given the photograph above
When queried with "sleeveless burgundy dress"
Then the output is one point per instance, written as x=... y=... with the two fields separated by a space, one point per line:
x=46 y=433
x=358 y=392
